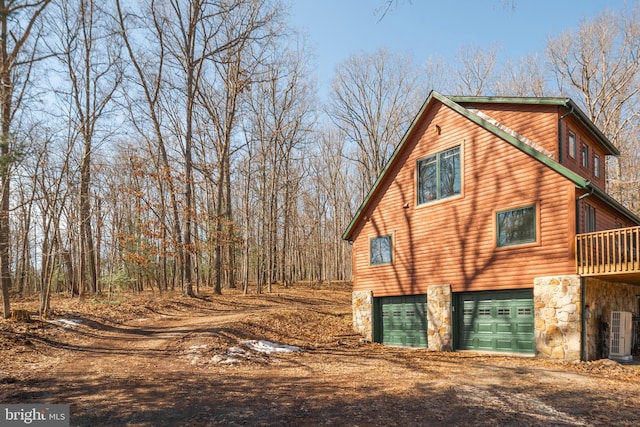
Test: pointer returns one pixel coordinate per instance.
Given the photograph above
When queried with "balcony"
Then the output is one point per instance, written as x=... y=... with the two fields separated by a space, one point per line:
x=611 y=253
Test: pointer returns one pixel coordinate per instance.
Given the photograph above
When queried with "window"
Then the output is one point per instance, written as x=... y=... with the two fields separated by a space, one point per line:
x=439 y=176
x=589 y=218
x=524 y=311
x=572 y=145
x=516 y=226
x=585 y=156
x=380 y=250
x=596 y=166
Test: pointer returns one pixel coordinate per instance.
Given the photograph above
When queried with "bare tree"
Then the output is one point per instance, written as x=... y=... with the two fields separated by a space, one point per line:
x=373 y=99
x=86 y=46
x=598 y=65
x=525 y=77
x=280 y=116
x=145 y=109
x=19 y=34
x=244 y=39
x=476 y=75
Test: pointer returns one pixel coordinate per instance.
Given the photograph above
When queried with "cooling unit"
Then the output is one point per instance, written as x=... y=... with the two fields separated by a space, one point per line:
x=620 y=336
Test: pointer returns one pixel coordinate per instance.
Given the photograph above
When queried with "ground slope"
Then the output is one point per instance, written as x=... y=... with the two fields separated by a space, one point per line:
x=151 y=360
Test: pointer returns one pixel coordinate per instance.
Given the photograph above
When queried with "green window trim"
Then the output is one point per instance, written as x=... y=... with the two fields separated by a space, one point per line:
x=516 y=226
x=381 y=250
x=439 y=176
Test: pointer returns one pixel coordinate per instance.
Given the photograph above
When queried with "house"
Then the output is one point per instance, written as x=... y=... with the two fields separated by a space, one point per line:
x=490 y=229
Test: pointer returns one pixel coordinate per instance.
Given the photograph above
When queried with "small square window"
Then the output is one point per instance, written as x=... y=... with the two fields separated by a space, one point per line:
x=596 y=166
x=572 y=145
x=585 y=156
x=380 y=250
x=516 y=226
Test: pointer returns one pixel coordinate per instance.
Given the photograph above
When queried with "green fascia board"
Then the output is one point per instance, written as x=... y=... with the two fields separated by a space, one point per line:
x=615 y=204
x=562 y=102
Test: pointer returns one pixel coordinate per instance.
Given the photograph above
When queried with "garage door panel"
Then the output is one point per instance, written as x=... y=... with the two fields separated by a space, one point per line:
x=498 y=321
x=504 y=328
x=402 y=320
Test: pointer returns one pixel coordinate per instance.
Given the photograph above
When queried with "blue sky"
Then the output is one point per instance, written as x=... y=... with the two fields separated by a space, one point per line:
x=337 y=29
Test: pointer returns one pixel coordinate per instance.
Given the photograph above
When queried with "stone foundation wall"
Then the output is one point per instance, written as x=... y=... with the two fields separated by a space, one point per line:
x=601 y=298
x=439 y=332
x=362 y=305
x=558 y=324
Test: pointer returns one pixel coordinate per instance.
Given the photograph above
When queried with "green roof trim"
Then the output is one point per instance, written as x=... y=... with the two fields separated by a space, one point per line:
x=615 y=204
x=452 y=103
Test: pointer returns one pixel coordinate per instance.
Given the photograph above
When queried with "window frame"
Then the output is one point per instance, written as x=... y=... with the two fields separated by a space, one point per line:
x=584 y=153
x=383 y=260
x=519 y=243
x=572 y=145
x=437 y=158
x=590 y=219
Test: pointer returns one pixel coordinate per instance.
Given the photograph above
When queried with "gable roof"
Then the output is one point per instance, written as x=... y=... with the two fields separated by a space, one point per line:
x=453 y=103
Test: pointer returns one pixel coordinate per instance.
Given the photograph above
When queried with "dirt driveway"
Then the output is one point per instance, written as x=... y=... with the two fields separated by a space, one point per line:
x=149 y=360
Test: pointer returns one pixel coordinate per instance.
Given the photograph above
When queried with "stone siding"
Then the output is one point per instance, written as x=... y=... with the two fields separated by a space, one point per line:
x=439 y=333
x=601 y=298
x=558 y=324
x=362 y=305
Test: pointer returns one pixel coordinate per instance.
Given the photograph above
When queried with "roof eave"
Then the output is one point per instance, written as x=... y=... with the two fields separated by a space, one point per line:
x=614 y=204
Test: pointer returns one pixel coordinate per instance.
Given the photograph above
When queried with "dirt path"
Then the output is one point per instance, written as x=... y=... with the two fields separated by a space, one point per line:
x=187 y=366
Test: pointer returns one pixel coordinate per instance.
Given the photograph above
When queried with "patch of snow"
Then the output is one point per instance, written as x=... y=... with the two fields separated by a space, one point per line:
x=198 y=347
x=269 y=347
x=236 y=350
x=67 y=322
x=225 y=359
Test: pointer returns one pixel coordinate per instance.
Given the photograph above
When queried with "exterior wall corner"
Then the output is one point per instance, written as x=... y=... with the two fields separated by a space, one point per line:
x=557 y=302
x=439 y=318
x=362 y=308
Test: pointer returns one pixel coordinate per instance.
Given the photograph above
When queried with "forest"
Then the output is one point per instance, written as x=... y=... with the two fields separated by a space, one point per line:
x=182 y=144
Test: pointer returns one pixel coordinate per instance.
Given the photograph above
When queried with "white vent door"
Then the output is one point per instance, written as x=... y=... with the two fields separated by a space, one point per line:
x=621 y=326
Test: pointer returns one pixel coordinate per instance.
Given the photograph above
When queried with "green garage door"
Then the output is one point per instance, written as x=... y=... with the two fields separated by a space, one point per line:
x=402 y=320
x=496 y=321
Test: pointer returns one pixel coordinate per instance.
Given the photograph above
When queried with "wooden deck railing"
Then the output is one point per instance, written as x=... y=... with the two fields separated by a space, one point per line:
x=608 y=252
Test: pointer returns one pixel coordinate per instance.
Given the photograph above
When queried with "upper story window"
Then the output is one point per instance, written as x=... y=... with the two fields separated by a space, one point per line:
x=589 y=218
x=380 y=250
x=584 y=155
x=572 y=145
x=516 y=226
x=596 y=166
x=439 y=176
